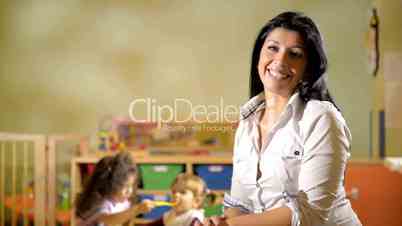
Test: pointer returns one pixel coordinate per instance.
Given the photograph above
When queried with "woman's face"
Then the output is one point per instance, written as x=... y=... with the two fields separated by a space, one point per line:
x=283 y=60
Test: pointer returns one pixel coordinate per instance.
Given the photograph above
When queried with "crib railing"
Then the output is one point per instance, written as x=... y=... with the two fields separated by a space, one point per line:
x=28 y=177
x=22 y=179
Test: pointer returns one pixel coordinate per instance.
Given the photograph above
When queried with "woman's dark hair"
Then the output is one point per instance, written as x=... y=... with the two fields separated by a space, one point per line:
x=313 y=85
x=109 y=177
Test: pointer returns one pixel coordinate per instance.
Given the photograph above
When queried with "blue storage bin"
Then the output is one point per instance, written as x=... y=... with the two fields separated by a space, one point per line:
x=156 y=212
x=217 y=177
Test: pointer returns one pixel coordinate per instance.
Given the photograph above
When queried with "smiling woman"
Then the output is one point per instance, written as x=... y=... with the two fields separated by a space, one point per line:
x=282 y=61
x=292 y=143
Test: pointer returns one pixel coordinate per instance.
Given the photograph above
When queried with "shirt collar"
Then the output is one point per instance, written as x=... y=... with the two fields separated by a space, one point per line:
x=257 y=103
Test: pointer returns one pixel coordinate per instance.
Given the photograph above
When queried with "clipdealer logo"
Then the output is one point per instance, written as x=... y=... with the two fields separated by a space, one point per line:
x=182 y=107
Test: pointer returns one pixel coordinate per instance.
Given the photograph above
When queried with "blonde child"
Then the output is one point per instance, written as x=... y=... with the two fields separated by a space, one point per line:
x=188 y=193
x=105 y=198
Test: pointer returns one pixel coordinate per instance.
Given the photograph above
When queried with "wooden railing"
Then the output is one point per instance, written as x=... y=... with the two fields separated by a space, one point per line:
x=18 y=198
x=28 y=184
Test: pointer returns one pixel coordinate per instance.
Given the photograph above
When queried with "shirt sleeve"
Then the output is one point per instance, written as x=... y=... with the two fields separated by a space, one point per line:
x=326 y=145
x=105 y=208
x=231 y=200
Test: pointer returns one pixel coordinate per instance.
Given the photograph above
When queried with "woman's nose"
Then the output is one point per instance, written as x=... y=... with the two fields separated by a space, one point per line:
x=281 y=57
x=280 y=62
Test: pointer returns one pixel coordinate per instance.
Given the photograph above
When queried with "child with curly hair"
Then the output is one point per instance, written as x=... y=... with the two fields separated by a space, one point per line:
x=105 y=198
x=188 y=192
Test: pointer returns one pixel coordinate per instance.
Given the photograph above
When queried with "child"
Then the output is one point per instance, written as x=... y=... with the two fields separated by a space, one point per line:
x=105 y=198
x=188 y=193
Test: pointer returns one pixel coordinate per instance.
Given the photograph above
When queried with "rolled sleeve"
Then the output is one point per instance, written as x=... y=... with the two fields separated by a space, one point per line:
x=230 y=202
x=322 y=170
x=292 y=204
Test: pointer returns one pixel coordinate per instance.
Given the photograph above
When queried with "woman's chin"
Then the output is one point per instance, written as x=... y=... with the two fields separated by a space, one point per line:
x=278 y=91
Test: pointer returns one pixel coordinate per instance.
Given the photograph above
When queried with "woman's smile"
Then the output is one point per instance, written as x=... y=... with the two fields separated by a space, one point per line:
x=278 y=75
x=282 y=61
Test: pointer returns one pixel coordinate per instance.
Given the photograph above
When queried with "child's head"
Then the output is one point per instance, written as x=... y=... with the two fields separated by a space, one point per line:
x=114 y=178
x=188 y=192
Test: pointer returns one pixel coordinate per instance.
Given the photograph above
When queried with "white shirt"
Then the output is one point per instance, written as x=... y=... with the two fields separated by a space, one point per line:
x=302 y=164
x=110 y=207
x=107 y=207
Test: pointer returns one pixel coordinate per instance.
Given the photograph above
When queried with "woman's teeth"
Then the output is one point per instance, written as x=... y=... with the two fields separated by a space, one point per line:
x=278 y=75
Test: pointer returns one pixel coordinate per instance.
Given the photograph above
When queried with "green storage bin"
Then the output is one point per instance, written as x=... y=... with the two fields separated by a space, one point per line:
x=213 y=210
x=159 y=176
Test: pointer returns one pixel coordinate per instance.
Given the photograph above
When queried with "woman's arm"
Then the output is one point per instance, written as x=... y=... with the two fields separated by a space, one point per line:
x=320 y=178
x=277 y=217
x=322 y=169
x=232 y=212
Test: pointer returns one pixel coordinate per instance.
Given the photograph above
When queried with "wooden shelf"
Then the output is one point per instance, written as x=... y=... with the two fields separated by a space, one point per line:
x=143 y=157
x=164 y=192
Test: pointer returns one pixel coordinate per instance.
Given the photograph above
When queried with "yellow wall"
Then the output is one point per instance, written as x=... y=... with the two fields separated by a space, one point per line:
x=65 y=64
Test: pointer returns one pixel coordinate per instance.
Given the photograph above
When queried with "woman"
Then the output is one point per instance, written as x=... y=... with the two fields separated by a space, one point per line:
x=292 y=143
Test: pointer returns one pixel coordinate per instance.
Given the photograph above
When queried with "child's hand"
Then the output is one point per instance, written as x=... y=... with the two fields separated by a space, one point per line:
x=145 y=206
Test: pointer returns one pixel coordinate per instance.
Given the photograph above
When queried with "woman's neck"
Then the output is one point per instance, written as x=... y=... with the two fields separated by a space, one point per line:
x=274 y=103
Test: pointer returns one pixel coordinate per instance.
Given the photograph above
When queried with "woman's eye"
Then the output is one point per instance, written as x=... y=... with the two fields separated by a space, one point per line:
x=296 y=54
x=273 y=48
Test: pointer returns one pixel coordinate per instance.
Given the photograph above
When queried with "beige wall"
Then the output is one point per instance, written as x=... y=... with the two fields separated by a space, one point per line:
x=65 y=64
x=390 y=42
